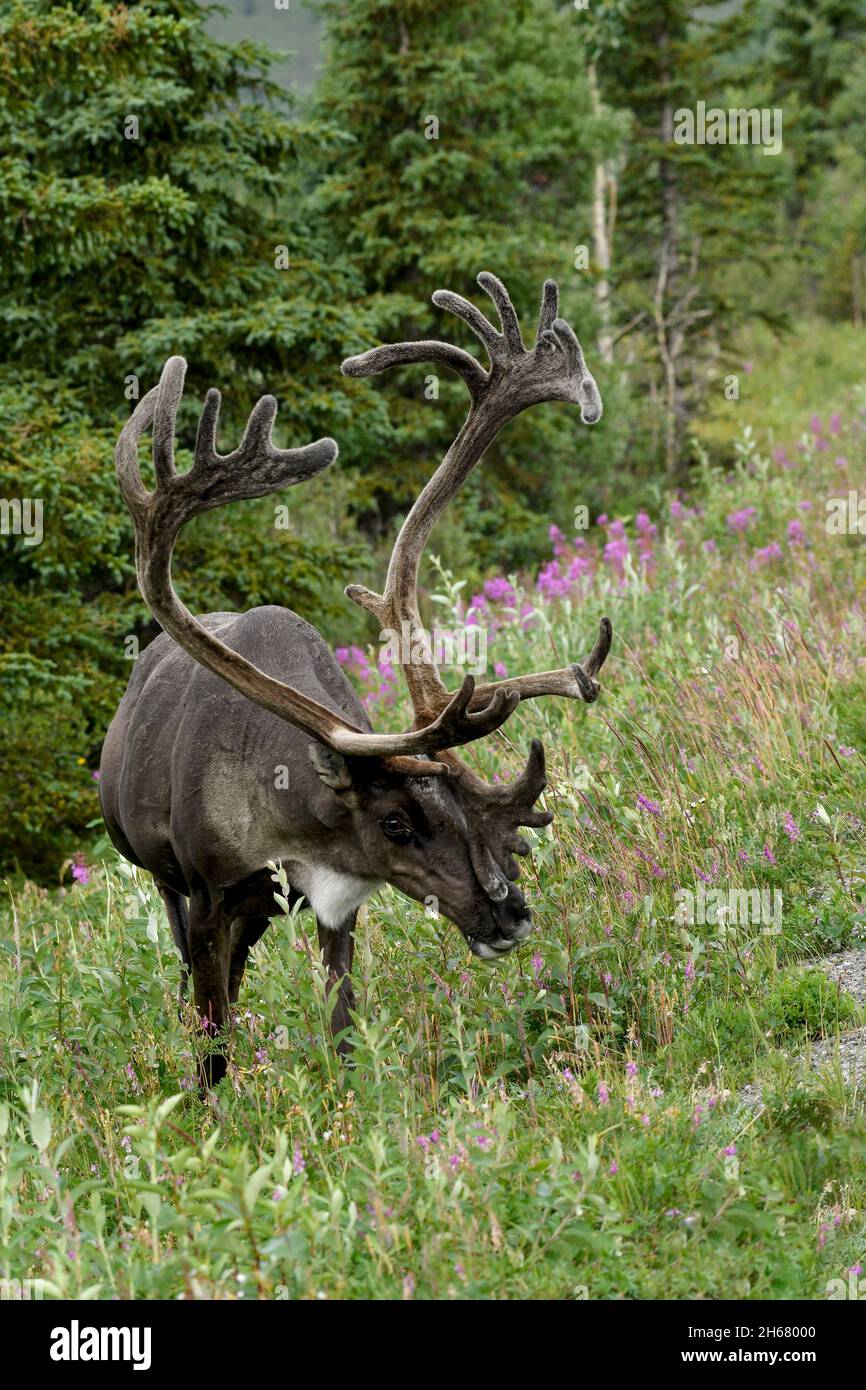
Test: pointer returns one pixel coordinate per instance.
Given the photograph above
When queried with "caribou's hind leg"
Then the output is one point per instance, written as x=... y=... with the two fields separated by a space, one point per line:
x=175 y=908
x=210 y=954
x=246 y=931
x=338 y=948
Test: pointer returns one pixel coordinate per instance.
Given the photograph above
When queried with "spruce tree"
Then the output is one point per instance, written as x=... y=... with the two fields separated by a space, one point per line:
x=471 y=144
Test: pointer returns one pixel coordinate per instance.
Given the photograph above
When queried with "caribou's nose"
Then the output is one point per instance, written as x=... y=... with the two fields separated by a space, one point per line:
x=509 y=936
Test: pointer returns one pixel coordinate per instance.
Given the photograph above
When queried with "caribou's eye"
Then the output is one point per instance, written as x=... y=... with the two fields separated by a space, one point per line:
x=396 y=829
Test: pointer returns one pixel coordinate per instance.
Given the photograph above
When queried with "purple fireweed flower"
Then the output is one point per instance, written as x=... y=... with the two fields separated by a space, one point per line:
x=841 y=461
x=616 y=553
x=603 y=1094
x=730 y=1151
x=298 y=1162
x=740 y=521
x=790 y=826
x=796 y=534
x=631 y=1068
x=578 y=567
x=551 y=582
x=477 y=606
x=647 y=805
x=835 y=424
x=557 y=540
x=765 y=554
x=613 y=1169
x=710 y=546
x=815 y=424
x=769 y=855
x=845 y=751
x=499 y=591
x=81 y=873
x=500 y=670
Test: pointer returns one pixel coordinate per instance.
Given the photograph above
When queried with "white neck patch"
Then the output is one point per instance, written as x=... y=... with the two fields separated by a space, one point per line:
x=333 y=896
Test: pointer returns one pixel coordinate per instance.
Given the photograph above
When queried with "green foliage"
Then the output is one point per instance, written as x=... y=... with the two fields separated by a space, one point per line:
x=129 y=249
x=684 y=210
x=476 y=140
x=806 y=1003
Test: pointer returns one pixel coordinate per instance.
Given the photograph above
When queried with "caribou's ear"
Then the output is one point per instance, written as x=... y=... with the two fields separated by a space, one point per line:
x=331 y=767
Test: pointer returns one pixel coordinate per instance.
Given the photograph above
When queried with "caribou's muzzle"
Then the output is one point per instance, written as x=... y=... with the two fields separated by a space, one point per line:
x=500 y=945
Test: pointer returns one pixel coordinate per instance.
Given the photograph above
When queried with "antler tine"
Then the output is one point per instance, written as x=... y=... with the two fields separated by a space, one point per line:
x=169 y=392
x=494 y=287
x=549 y=310
x=572 y=682
x=134 y=492
x=429 y=350
x=598 y=655
x=256 y=467
x=481 y=326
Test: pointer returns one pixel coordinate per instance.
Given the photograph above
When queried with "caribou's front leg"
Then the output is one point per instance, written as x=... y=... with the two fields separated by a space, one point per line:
x=338 y=949
x=246 y=931
x=210 y=951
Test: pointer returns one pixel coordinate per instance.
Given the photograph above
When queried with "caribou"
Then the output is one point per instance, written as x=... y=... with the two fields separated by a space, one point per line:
x=217 y=703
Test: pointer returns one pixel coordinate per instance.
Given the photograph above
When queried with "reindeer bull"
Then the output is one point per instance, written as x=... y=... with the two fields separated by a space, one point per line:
x=216 y=704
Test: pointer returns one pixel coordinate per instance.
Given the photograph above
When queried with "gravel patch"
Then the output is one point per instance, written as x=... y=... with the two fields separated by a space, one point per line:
x=847 y=969
x=850 y=1048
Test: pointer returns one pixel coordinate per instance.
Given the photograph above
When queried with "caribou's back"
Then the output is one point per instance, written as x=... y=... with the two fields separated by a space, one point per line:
x=189 y=766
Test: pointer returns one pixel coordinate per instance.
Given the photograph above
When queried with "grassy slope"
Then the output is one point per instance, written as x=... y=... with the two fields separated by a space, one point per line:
x=557 y=1125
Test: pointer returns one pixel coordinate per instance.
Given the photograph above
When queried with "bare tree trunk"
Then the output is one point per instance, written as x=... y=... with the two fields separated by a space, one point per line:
x=668 y=270
x=601 y=236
